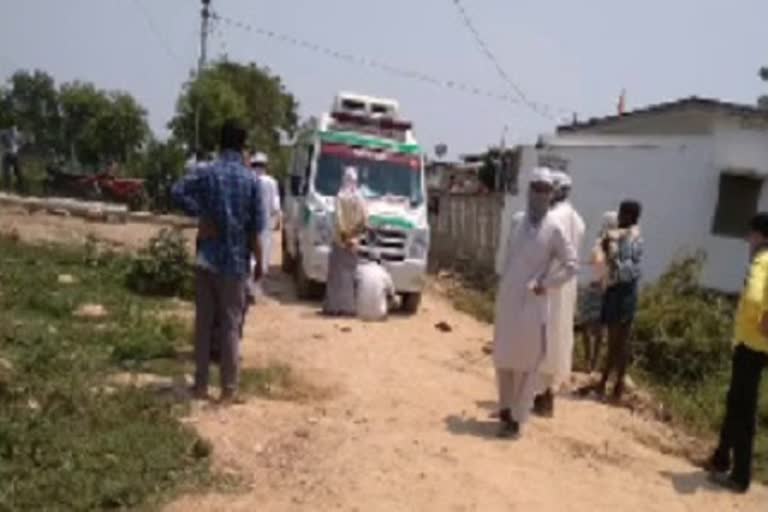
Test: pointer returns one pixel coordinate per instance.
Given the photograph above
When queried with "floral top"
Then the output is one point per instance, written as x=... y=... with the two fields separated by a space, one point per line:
x=625 y=252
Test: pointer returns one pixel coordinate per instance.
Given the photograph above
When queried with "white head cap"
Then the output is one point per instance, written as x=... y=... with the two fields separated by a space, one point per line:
x=542 y=175
x=259 y=159
x=562 y=179
x=610 y=220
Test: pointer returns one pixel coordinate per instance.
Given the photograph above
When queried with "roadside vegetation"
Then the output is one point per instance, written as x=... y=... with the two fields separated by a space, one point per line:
x=78 y=428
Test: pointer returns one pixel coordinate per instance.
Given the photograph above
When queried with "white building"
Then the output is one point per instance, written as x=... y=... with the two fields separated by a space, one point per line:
x=697 y=166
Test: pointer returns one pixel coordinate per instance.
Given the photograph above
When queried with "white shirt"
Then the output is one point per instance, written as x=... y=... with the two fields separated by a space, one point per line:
x=270 y=199
x=374 y=287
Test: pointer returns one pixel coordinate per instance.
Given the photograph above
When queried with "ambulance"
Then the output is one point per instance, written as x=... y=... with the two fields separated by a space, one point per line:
x=369 y=134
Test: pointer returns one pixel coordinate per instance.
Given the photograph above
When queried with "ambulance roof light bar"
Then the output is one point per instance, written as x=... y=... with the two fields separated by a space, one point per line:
x=359 y=103
x=364 y=121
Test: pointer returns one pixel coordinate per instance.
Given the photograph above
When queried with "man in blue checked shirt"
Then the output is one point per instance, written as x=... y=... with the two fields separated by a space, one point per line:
x=226 y=198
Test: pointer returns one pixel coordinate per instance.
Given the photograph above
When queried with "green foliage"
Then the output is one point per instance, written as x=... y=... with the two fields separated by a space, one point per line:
x=478 y=303
x=100 y=126
x=248 y=93
x=487 y=173
x=682 y=333
x=163 y=268
x=68 y=439
x=682 y=345
x=77 y=119
x=32 y=103
x=762 y=102
x=161 y=164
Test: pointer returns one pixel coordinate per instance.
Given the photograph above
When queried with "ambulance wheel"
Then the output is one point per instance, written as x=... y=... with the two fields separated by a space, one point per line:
x=306 y=288
x=410 y=303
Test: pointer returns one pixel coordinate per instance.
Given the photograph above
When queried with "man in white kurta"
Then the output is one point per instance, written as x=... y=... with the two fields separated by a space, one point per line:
x=528 y=277
x=375 y=290
x=556 y=368
x=270 y=200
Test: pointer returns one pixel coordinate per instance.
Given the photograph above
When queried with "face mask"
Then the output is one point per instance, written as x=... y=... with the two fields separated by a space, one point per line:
x=538 y=205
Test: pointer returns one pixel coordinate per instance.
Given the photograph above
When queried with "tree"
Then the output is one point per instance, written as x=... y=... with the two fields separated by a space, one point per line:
x=119 y=130
x=6 y=116
x=99 y=125
x=31 y=102
x=80 y=104
x=160 y=164
x=77 y=119
x=762 y=102
x=245 y=92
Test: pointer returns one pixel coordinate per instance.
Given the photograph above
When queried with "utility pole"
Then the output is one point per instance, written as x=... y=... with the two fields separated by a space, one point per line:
x=205 y=15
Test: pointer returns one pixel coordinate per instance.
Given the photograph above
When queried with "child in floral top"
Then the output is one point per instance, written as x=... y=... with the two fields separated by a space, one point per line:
x=624 y=250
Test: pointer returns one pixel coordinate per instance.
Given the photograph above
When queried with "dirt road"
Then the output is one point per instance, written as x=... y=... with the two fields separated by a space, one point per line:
x=403 y=423
x=406 y=428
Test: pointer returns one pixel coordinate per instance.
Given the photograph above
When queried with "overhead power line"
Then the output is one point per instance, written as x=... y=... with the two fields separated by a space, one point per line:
x=158 y=35
x=539 y=109
x=367 y=61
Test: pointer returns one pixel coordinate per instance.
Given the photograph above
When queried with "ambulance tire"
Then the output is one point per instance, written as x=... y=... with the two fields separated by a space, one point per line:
x=410 y=303
x=306 y=288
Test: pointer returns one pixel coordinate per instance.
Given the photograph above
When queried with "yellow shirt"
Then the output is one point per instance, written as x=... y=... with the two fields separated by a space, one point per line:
x=753 y=305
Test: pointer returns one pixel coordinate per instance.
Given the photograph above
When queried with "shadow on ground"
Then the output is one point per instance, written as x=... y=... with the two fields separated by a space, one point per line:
x=464 y=426
x=690 y=482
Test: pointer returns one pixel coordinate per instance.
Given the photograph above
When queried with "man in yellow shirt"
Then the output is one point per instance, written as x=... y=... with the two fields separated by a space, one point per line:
x=750 y=357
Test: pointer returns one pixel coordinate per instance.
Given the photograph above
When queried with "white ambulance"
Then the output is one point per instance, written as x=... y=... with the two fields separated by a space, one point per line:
x=369 y=134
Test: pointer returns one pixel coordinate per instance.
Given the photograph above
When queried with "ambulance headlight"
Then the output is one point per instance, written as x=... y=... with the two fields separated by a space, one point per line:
x=419 y=246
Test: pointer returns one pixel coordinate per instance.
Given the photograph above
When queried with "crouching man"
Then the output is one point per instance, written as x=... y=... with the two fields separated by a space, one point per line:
x=375 y=290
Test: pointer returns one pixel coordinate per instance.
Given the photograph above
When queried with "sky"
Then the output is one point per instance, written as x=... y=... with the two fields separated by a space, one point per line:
x=574 y=55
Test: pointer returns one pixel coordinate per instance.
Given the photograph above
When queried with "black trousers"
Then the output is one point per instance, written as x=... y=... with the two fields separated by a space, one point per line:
x=738 y=430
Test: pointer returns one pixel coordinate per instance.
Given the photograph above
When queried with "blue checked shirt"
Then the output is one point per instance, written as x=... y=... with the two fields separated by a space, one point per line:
x=227 y=194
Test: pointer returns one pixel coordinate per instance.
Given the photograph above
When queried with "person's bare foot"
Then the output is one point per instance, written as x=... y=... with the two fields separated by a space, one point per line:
x=509 y=428
x=231 y=398
x=727 y=481
x=199 y=393
x=544 y=404
x=600 y=390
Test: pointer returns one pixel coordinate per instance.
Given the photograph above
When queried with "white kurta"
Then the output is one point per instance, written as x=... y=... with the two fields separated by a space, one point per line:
x=562 y=307
x=374 y=289
x=270 y=202
x=520 y=340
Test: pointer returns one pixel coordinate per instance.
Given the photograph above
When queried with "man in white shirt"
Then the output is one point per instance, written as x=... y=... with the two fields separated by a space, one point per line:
x=556 y=368
x=375 y=290
x=270 y=200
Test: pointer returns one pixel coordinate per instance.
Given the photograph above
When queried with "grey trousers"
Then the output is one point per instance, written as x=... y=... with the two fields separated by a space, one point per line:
x=517 y=390
x=219 y=307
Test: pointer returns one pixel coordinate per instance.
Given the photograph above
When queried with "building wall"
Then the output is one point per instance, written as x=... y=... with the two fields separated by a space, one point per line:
x=675 y=177
x=743 y=149
x=677 y=182
x=740 y=147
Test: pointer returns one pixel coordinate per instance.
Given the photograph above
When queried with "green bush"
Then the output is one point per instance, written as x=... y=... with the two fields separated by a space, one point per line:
x=682 y=332
x=682 y=343
x=163 y=268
